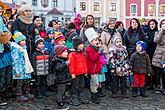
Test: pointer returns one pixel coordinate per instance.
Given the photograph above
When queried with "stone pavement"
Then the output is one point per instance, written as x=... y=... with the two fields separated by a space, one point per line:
x=153 y=102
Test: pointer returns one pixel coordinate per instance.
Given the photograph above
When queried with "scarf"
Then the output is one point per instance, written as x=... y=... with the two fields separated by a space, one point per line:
x=25 y=19
x=1 y=47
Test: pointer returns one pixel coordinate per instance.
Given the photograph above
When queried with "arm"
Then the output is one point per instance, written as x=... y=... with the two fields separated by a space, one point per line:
x=112 y=61
x=103 y=38
x=149 y=69
x=71 y=65
x=132 y=61
x=157 y=37
x=14 y=27
x=34 y=61
x=93 y=56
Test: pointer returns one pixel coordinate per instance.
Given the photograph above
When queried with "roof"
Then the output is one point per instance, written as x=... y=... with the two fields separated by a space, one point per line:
x=55 y=11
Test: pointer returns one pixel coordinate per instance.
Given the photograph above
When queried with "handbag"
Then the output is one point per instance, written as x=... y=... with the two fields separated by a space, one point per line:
x=5 y=59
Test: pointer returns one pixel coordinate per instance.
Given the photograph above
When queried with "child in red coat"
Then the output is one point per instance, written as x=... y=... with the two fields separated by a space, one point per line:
x=93 y=62
x=78 y=69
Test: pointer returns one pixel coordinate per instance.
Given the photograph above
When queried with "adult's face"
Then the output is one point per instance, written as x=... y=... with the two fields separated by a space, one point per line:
x=28 y=13
x=111 y=25
x=90 y=20
x=38 y=22
x=120 y=27
x=134 y=24
x=152 y=25
x=56 y=26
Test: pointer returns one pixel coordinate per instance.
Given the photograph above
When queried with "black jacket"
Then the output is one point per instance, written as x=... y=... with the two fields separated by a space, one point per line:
x=61 y=70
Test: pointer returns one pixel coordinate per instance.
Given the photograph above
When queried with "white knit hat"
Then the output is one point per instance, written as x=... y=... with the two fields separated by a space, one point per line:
x=24 y=7
x=115 y=37
x=91 y=34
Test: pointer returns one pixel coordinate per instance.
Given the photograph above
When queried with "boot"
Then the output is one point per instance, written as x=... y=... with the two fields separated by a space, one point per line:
x=2 y=100
x=27 y=93
x=100 y=92
x=134 y=90
x=75 y=100
x=20 y=96
x=82 y=99
x=95 y=98
x=142 y=92
x=62 y=106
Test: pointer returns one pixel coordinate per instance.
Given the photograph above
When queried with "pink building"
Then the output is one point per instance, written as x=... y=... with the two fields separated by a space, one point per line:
x=148 y=9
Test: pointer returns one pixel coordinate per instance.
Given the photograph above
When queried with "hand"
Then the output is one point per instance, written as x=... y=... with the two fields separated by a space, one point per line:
x=86 y=74
x=163 y=65
x=73 y=76
x=101 y=50
x=17 y=75
x=149 y=74
x=112 y=71
x=67 y=62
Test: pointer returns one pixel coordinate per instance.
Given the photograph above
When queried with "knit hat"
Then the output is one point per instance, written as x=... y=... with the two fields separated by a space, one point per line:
x=50 y=31
x=71 y=34
x=59 y=49
x=35 y=17
x=38 y=39
x=142 y=44
x=23 y=8
x=76 y=42
x=91 y=34
x=115 y=37
x=18 y=36
x=59 y=37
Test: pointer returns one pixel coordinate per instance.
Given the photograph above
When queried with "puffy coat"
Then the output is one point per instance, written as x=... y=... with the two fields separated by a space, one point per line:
x=40 y=61
x=78 y=64
x=159 y=54
x=93 y=60
x=61 y=70
x=141 y=63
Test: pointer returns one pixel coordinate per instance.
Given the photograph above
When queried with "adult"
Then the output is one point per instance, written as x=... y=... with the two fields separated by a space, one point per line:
x=158 y=57
x=38 y=27
x=55 y=25
x=119 y=26
x=89 y=22
x=133 y=34
x=23 y=24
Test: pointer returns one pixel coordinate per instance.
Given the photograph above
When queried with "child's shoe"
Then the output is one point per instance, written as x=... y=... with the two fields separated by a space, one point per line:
x=2 y=102
x=142 y=92
x=21 y=98
x=62 y=106
x=75 y=101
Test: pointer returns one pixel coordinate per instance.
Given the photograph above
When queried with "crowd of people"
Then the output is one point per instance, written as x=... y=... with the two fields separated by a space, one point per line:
x=35 y=60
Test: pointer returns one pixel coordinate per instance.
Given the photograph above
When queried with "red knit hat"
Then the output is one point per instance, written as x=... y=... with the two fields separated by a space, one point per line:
x=59 y=49
x=59 y=37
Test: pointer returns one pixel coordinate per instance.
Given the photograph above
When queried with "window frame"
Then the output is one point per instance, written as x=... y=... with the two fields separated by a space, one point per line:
x=112 y=9
x=34 y=2
x=97 y=6
x=84 y=7
x=131 y=8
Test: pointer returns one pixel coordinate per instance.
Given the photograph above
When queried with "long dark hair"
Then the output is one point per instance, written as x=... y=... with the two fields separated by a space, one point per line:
x=156 y=23
x=86 y=25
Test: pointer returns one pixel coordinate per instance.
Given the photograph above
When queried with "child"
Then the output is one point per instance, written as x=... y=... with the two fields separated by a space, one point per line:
x=101 y=75
x=21 y=67
x=59 y=67
x=141 y=66
x=41 y=66
x=119 y=66
x=78 y=68
x=60 y=39
x=93 y=62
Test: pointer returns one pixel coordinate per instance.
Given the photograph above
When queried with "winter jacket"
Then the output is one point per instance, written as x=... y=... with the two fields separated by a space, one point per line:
x=151 y=45
x=141 y=63
x=26 y=30
x=18 y=62
x=159 y=54
x=119 y=62
x=39 y=31
x=61 y=70
x=50 y=46
x=107 y=39
x=40 y=61
x=131 y=37
x=93 y=60
x=78 y=64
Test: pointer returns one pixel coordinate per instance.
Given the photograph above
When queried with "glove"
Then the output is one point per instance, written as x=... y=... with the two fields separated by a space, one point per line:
x=101 y=50
x=67 y=62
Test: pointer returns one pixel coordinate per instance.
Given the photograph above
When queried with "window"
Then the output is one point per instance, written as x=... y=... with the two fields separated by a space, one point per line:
x=82 y=6
x=133 y=8
x=96 y=6
x=112 y=6
x=34 y=2
x=162 y=9
x=151 y=8
x=54 y=3
x=97 y=21
x=45 y=3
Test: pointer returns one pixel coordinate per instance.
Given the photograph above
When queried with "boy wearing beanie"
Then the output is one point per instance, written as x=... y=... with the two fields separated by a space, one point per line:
x=21 y=67
x=119 y=66
x=60 y=39
x=93 y=62
x=59 y=67
x=78 y=69
x=141 y=66
x=40 y=61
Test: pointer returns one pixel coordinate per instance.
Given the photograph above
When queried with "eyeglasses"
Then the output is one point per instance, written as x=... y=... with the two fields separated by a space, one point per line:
x=28 y=10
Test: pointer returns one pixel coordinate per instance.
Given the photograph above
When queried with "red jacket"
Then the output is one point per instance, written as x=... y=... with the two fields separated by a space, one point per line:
x=93 y=60
x=78 y=64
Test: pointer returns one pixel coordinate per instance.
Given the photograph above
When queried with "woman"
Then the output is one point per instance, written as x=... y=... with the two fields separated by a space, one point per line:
x=158 y=57
x=23 y=24
x=133 y=34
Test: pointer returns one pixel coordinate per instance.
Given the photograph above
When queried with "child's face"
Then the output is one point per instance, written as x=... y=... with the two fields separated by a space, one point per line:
x=61 y=42
x=139 y=48
x=22 y=43
x=64 y=54
x=80 y=47
x=51 y=36
x=95 y=42
x=118 y=43
x=41 y=45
